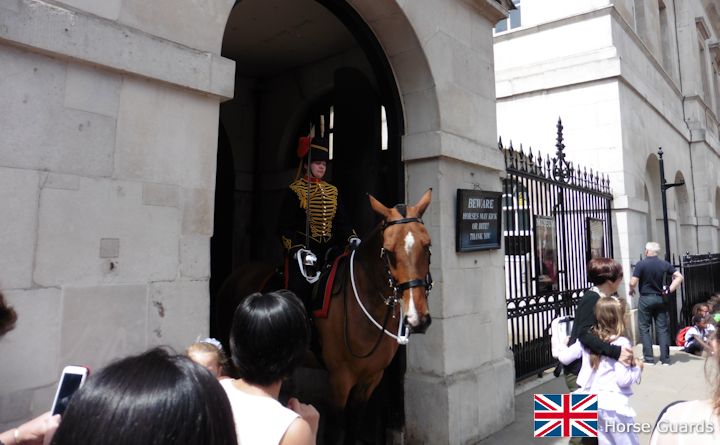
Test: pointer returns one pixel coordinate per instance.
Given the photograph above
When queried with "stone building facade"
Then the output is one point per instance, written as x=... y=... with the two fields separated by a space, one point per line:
x=112 y=128
x=626 y=77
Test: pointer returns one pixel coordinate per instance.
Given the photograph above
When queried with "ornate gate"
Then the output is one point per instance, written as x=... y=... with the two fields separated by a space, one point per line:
x=555 y=218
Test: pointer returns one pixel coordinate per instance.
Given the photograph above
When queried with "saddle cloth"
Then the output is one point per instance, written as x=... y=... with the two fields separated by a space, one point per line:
x=325 y=283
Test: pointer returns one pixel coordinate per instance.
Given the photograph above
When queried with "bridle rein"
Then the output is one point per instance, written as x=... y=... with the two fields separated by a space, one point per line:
x=390 y=301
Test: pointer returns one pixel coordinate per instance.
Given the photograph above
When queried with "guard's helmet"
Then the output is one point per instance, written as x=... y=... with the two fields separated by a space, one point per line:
x=316 y=147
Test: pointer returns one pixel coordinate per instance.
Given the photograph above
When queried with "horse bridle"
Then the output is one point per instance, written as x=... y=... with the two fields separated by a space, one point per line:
x=399 y=288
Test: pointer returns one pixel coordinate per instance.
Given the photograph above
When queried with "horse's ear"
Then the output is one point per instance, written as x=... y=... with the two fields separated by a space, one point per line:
x=421 y=205
x=378 y=207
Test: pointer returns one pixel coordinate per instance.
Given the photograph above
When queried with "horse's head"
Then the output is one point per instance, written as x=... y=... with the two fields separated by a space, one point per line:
x=406 y=251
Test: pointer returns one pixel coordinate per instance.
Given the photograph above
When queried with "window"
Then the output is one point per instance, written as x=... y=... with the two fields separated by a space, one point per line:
x=665 y=37
x=715 y=53
x=516 y=219
x=703 y=35
x=512 y=22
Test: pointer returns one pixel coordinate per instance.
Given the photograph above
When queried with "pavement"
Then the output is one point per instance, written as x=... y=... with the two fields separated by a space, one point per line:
x=684 y=379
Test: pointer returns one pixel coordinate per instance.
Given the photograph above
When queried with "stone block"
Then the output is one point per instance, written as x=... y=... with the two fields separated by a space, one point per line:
x=457 y=331
x=12 y=5
x=198 y=211
x=372 y=11
x=195 y=257
x=102 y=323
x=109 y=247
x=156 y=123
x=396 y=34
x=412 y=70
x=424 y=351
x=16 y=406
x=43 y=397
x=72 y=223
x=194 y=24
x=425 y=116
x=461 y=110
x=63 y=140
x=424 y=425
x=178 y=313
x=31 y=350
x=109 y=9
x=61 y=182
x=19 y=190
x=89 y=89
x=467 y=406
x=72 y=34
x=160 y=195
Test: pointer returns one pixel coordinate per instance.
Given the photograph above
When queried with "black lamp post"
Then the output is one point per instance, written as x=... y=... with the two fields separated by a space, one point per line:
x=663 y=188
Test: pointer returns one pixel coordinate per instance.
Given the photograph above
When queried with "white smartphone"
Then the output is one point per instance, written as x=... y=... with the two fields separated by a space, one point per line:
x=71 y=380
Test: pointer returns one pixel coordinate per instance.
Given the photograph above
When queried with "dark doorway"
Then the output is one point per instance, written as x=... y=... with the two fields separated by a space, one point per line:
x=297 y=60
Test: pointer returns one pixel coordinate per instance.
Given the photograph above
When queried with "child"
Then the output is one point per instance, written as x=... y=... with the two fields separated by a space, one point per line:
x=209 y=353
x=697 y=336
x=607 y=377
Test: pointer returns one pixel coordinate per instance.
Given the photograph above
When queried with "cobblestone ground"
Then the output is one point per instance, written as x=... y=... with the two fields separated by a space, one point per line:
x=684 y=379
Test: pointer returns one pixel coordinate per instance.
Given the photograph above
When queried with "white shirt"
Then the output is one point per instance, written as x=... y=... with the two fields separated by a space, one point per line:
x=259 y=420
x=612 y=380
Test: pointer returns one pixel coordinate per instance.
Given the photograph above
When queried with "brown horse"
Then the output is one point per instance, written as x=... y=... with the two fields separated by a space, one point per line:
x=381 y=299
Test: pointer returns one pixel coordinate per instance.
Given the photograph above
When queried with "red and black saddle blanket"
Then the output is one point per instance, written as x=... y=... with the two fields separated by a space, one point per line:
x=323 y=289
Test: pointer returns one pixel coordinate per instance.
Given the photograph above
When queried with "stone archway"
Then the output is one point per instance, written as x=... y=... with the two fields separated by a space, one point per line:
x=291 y=60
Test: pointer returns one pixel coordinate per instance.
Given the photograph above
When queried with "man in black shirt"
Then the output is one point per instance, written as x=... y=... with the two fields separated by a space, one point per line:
x=650 y=273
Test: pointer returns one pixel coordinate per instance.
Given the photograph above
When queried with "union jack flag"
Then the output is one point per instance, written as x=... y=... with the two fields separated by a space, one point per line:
x=566 y=415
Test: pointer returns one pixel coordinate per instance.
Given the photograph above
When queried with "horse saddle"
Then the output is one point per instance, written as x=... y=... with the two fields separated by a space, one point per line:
x=322 y=290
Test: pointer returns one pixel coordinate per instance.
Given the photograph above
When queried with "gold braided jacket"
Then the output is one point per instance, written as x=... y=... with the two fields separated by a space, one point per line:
x=323 y=206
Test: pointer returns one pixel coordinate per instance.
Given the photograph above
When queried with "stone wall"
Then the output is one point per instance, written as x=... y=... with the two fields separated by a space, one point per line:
x=107 y=172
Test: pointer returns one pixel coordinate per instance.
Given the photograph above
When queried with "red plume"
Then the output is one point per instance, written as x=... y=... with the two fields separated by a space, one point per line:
x=303 y=146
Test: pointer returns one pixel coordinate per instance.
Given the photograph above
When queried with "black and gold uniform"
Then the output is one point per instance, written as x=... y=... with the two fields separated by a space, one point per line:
x=311 y=198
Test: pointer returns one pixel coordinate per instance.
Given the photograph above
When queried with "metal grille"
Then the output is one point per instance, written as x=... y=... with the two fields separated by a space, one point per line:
x=701 y=279
x=550 y=208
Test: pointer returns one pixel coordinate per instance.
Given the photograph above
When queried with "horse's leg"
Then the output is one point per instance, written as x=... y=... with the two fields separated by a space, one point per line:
x=355 y=407
x=341 y=382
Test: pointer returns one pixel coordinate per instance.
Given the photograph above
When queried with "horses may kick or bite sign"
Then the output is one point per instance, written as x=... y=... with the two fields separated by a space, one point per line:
x=477 y=220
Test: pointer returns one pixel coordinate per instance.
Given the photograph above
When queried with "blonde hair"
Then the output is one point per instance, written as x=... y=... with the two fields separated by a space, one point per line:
x=211 y=348
x=610 y=322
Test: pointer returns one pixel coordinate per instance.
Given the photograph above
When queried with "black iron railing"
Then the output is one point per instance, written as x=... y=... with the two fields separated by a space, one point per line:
x=701 y=279
x=555 y=218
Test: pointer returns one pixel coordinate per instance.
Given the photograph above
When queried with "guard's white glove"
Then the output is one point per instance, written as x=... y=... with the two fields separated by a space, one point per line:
x=354 y=242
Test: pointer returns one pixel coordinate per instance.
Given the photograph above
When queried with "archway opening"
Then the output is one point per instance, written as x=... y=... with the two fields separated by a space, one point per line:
x=297 y=60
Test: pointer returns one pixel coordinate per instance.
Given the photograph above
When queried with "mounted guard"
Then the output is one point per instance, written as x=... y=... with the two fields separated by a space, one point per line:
x=313 y=225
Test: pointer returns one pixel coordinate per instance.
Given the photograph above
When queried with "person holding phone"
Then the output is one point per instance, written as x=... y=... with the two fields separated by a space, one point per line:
x=152 y=398
x=36 y=430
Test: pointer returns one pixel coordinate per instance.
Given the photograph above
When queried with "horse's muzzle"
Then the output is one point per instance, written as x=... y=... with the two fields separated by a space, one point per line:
x=425 y=322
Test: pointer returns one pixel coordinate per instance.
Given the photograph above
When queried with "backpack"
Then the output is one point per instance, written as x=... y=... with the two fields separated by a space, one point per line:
x=680 y=338
x=560 y=329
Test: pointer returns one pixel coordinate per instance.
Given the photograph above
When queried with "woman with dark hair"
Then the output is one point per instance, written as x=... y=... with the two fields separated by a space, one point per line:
x=606 y=275
x=268 y=340
x=152 y=399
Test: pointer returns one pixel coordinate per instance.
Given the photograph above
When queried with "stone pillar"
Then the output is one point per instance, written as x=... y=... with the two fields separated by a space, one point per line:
x=460 y=377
